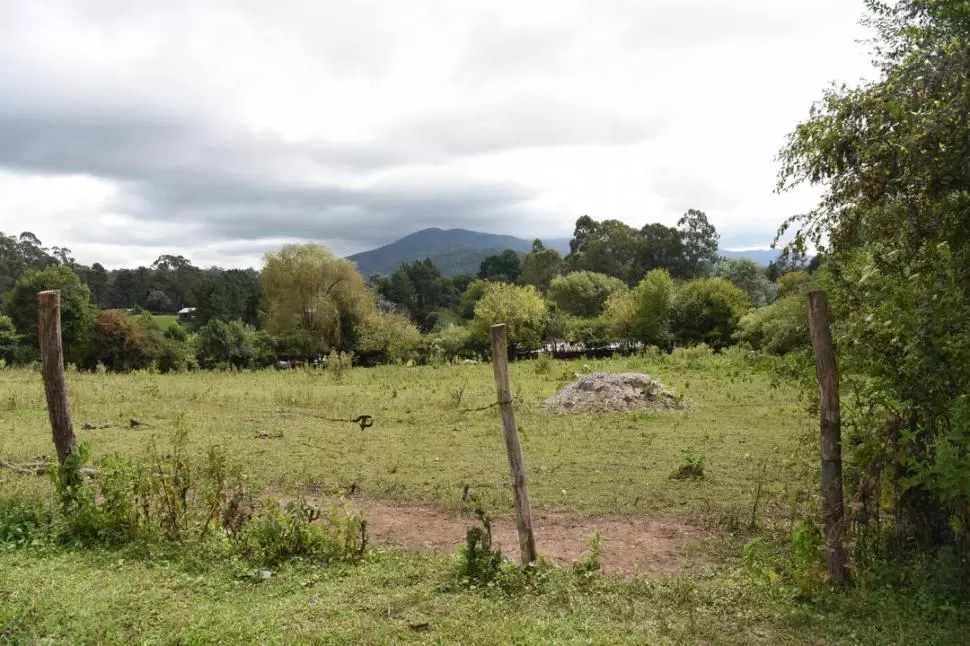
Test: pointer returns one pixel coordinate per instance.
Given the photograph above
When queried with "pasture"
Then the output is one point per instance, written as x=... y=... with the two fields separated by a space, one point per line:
x=746 y=438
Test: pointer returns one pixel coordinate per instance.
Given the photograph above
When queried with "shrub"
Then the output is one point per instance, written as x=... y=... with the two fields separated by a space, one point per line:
x=222 y=343
x=707 y=310
x=391 y=337
x=584 y=293
x=643 y=314
x=519 y=307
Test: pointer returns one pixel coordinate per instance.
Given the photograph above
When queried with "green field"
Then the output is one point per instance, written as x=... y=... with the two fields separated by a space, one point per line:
x=755 y=437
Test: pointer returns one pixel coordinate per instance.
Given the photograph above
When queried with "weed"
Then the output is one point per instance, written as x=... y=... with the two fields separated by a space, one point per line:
x=479 y=563
x=589 y=566
x=692 y=467
x=543 y=364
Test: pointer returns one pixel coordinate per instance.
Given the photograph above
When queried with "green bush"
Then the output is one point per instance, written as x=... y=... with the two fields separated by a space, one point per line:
x=707 y=310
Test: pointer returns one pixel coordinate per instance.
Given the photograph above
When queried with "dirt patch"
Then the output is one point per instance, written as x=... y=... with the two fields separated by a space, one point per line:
x=631 y=545
x=608 y=392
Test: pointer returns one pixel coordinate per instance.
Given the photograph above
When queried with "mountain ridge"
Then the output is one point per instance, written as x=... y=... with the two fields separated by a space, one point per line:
x=461 y=251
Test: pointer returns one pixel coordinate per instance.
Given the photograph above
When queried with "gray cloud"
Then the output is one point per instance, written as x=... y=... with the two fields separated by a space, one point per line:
x=239 y=124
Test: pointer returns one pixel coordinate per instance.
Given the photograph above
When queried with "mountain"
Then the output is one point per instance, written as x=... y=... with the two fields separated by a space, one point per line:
x=761 y=256
x=460 y=251
x=453 y=251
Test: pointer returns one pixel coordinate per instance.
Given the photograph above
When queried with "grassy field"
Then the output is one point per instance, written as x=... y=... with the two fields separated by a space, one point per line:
x=755 y=438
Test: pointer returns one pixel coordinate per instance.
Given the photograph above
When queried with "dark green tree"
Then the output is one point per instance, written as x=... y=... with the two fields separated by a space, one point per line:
x=501 y=268
x=77 y=312
x=700 y=243
x=540 y=266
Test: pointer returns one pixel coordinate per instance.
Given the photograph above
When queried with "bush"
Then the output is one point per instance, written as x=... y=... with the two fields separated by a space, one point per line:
x=584 y=293
x=779 y=328
x=278 y=533
x=221 y=343
x=9 y=340
x=643 y=314
x=452 y=342
x=389 y=336
x=121 y=344
x=520 y=308
x=707 y=310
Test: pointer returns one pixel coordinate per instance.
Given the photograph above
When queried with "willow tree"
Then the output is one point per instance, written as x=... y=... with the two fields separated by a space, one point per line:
x=312 y=298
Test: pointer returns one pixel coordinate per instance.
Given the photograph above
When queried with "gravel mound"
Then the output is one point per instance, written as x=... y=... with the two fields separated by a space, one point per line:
x=604 y=392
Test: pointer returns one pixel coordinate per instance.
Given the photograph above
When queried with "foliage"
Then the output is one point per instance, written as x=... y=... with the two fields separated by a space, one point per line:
x=77 y=313
x=9 y=340
x=232 y=295
x=520 y=308
x=393 y=337
x=540 y=266
x=309 y=292
x=589 y=564
x=479 y=562
x=470 y=297
x=451 y=342
x=281 y=532
x=420 y=289
x=219 y=343
x=890 y=156
x=700 y=242
x=643 y=314
x=583 y=293
x=707 y=310
x=501 y=268
x=24 y=253
x=748 y=276
x=159 y=302
x=692 y=466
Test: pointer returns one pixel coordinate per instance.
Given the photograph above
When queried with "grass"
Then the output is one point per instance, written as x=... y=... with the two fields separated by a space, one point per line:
x=165 y=321
x=422 y=446
x=754 y=437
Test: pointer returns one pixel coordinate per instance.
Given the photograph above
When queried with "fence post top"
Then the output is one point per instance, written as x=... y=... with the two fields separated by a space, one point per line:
x=49 y=291
x=498 y=325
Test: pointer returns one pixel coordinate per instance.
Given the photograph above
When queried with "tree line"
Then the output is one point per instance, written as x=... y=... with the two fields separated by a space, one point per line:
x=656 y=285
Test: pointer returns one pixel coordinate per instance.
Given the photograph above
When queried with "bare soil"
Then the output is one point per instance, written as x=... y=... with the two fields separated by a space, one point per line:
x=632 y=545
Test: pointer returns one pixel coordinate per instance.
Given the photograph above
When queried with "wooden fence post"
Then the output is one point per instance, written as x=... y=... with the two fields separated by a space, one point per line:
x=52 y=368
x=826 y=367
x=523 y=510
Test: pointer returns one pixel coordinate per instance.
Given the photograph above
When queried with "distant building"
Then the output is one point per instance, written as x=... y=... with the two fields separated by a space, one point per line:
x=186 y=313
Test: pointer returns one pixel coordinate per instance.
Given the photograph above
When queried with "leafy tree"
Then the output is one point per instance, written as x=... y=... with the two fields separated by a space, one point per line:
x=312 y=297
x=470 y=297
x=18 y=255
x=609 y=247
x=540 y=266
x=643 y=313
x=707 y=310
x=96 y=278
x=503 y=267
x=177 y=276
x=700 y=242
x=391 y=336
x=894 y=216
x=661 y=247
x=451 y=342
x=77 y=313
x=420 y=289
x=522 y=310
x=231 y=295
x=225 y=343
x=9 y=340
x=584 y=293
x=748 y=276
x=158 y=302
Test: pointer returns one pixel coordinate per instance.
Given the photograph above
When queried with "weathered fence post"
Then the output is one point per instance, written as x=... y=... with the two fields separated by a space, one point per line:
x=52 y=368
x=523 y=510
x=827 y=369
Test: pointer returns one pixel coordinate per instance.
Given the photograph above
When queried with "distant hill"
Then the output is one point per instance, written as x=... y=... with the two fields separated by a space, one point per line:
x=761 y=256
x=453 y=251
x=460 y=251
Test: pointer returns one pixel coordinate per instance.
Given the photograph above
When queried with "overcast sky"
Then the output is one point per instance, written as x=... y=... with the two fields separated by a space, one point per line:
x=220 y=130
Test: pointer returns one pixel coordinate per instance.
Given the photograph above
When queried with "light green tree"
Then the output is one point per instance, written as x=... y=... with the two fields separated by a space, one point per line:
x=583 y=293
x=522 y=310
x=312 y=297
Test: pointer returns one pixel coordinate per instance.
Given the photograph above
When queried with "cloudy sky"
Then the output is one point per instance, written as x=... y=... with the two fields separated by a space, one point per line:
x=223 y=129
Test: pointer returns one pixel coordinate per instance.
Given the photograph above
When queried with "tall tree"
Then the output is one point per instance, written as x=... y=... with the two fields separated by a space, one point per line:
x=309 y=295
x=540 y=266
x=420 y=289
x=501 y=268
x=700 y=242
x=77 y=313
x=177 y=276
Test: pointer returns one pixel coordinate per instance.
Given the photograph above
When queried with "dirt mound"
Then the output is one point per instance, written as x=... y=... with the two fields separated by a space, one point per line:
x=607 y=392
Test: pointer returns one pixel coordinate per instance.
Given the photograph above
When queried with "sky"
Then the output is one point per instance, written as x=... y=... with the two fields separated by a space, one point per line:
x=221 y=130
